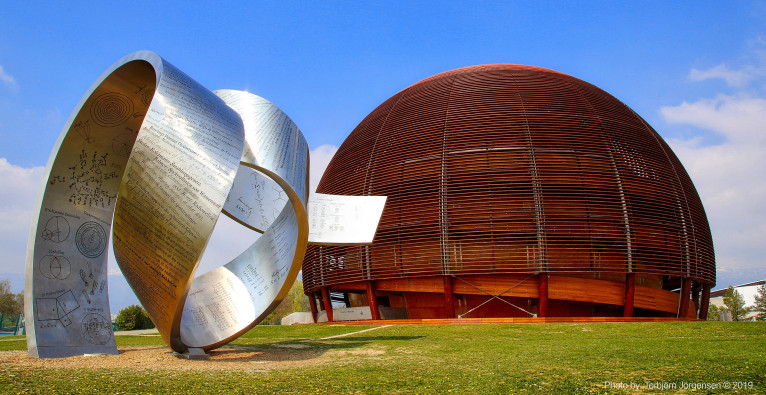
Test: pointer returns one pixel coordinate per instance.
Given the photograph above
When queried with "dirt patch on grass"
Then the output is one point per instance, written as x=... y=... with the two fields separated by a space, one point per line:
x=365 y=351
x=225 y=358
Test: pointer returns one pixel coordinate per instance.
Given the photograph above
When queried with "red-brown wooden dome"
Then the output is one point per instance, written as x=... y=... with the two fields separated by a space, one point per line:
x=515 y=170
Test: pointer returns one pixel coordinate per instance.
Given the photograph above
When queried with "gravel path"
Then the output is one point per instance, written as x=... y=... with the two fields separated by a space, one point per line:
x=225 y=358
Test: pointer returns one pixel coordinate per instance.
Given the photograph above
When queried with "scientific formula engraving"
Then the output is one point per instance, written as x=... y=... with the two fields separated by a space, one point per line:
x=57 y=309
x=56 y=230
x=55 y=267
x=96 y=329
x=111 y=109
x=122 y=145
x=91 y=239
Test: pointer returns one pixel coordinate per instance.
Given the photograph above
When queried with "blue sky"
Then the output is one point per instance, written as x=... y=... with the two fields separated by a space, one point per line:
x=330 y=65
x=691 y=69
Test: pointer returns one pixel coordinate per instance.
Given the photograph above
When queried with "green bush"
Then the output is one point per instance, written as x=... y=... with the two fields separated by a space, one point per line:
x=133 y=317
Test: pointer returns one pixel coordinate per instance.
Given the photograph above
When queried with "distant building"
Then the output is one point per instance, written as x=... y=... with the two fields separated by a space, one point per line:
x=748 y=292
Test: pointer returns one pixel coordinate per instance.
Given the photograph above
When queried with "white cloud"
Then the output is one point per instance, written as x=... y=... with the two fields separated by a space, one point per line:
x=229 y=240
x=320 y=158
x=7 y=78
x=17 y=200
x=740 y=118
x=731 y=176
x=736 y=78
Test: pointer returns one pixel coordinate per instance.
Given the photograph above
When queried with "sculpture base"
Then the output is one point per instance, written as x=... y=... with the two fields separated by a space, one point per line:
x=192 y=354
x=65 y=352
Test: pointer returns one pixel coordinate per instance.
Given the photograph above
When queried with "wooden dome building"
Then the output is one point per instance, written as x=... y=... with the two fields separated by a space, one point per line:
x=515 y=191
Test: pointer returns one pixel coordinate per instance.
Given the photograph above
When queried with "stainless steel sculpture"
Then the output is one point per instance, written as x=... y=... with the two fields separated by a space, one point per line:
x=176 y=155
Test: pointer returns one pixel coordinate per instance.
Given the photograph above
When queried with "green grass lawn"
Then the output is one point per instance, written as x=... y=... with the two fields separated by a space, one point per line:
x=522 y=359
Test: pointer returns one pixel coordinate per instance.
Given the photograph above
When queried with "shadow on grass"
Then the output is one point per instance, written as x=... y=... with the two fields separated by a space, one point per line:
x=286 y=351
x=295 y=350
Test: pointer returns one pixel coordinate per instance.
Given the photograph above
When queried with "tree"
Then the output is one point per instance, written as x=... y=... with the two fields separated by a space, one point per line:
x=20 y=303
x=133 y=317
x=735 y=304
x=713 y=313
x=300 y=300
x=760 y=303
x=10 y=304
x=294 y=301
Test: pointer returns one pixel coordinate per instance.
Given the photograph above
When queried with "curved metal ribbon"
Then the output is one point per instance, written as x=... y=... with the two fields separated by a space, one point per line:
x=170 y=149
x=155 y=157
x=269 y=195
